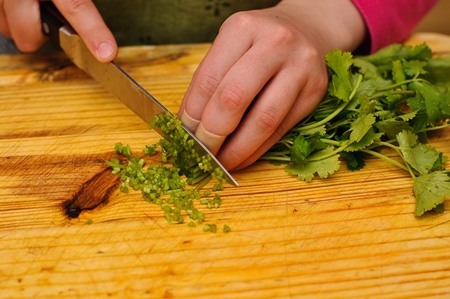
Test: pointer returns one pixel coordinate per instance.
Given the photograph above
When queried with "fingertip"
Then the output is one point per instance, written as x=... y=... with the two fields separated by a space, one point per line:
x=106 y=52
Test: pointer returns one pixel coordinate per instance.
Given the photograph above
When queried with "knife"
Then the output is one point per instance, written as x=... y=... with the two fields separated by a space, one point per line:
x=110 y=75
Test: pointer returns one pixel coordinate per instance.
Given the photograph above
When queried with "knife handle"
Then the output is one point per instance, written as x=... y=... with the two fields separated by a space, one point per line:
x=52 y=20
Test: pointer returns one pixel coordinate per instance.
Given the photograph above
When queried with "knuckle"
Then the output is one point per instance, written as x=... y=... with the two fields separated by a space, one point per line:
x=281 y=130
x=267 y=120
x=242 y=20
x=233 y=154
x=284 y=35
x=206 y=86
x=311 y=55
x=77 y=6
x=231 y=98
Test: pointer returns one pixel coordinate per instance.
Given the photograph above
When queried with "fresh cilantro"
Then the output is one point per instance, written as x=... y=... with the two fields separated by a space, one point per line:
x=388 y=99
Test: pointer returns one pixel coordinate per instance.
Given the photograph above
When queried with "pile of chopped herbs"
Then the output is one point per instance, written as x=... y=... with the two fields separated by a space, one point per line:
x=176 y=184
x=389 y=99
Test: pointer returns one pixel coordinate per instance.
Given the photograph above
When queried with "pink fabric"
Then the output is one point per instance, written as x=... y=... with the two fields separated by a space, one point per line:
x=391 y=21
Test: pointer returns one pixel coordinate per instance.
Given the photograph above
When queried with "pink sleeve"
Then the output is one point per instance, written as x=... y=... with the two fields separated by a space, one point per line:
x=391 y=21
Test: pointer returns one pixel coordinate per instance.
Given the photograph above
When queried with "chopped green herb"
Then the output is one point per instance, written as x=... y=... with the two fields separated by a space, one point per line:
x=210 y=228
x=123 y=150
x=226 y=228
x=170 y=186
x=150 y=150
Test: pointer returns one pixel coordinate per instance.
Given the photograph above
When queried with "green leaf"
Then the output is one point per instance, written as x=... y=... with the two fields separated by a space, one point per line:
x=397 y=71
x=355 y=160
x=366 y=68
x=392 y=127
x=323 y=168
x=361 y=126
x=439 y=71
x=341 y=82
x=414 y=67
x=368 y=139
x=419 y=156
x=432 y=99
x=366 y=88
x=418 y=52
x=384 y=56
x=430 y=191
x=300 y=150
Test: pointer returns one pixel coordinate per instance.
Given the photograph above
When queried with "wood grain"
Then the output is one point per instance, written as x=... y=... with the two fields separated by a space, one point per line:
x=352 y=235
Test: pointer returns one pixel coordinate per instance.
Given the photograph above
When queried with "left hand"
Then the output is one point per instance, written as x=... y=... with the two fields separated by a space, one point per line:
x=264 y=73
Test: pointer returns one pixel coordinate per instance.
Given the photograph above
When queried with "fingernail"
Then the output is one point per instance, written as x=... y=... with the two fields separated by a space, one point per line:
x=105 y=50
x=189 y=122
x=212 y=141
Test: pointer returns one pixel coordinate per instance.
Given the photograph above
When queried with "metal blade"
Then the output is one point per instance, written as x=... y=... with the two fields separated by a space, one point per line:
x=120 y=84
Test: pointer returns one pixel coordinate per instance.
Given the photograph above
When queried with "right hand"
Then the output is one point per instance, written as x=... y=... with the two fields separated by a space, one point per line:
x=20 y=21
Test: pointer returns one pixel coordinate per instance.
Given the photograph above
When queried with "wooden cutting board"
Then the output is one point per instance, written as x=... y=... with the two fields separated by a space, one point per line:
x=352 y=235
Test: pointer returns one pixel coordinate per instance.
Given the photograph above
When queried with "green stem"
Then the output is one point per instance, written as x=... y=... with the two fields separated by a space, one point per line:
x=377 y=154
x=336 y=151
x=323 y=121
x=400 y=84
x=336 y=112
x=275 y=158
x=433 y=128
x=203 y=182
x=404 y=92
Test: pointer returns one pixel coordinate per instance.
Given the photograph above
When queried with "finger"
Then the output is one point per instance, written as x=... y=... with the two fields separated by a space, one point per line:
x=236 y=91
x=24 y=24
x=235 y=157
x=265 y=116
x=88 y=23
x=4 y=27
x=213 y=68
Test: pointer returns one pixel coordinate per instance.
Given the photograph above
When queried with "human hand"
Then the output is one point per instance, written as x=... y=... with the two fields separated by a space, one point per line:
x=264 y=73
x=20 y=21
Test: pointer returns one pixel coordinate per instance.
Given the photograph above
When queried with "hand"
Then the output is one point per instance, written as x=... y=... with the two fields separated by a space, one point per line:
x=264 y=73
x=20 y=21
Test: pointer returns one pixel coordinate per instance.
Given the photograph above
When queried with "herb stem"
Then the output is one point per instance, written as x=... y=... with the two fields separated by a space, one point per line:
x=323 y=121
x=400 y=84
x=386 y=158
x=427 y=129
x=336 y=151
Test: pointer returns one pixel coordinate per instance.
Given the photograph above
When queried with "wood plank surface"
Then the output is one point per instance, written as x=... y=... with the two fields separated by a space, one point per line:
x=352 y=235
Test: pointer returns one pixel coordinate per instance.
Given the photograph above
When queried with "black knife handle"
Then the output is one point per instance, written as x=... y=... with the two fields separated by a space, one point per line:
x=52 y=20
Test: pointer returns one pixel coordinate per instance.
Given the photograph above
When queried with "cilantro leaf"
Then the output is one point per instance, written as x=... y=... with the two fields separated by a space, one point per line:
x=392 y=127
x=432 y=99
x=368 y=139
x=341 y=82
x=397 y=72
x=430 y=191
x=300 y=150
x=355 y=160
x=361 y=126
x=419 y=156
x=438 y=69
x=418 y=52
x=414 y=67
x=323 y=168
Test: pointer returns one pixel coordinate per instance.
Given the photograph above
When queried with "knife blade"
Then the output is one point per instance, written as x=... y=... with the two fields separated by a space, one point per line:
x=111 y=76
